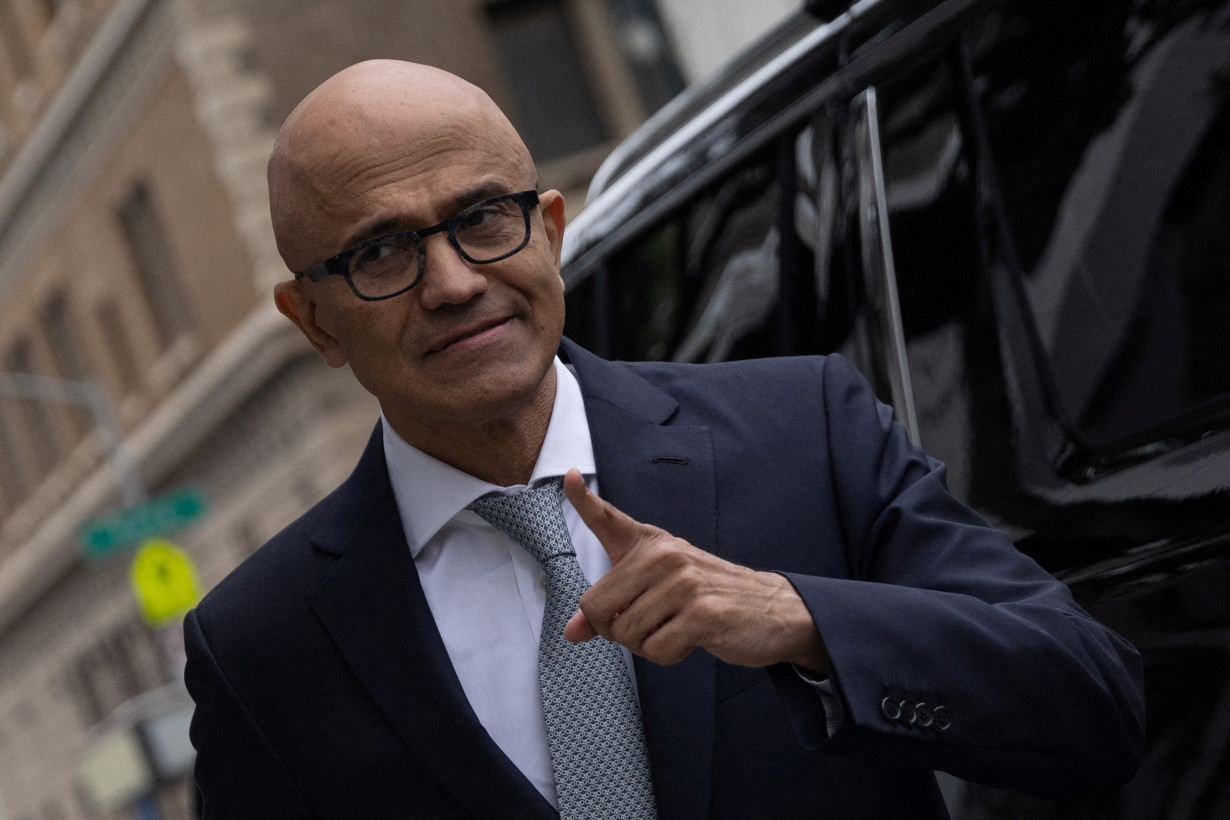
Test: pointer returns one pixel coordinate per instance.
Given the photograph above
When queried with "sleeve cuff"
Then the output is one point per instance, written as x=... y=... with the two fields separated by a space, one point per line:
x=834 y=713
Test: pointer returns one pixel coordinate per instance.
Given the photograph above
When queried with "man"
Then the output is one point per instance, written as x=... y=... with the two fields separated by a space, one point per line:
x=388 y=654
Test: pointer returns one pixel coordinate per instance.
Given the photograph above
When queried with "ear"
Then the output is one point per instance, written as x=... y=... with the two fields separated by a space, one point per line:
x=553 y=218
x=300 y=308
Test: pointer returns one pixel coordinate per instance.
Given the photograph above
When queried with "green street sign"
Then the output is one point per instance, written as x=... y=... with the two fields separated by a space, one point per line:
x=107 y=534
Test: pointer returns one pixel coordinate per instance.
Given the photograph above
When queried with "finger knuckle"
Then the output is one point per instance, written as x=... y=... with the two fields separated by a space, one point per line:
x=664 y=650
x=705 y=610
x=622 y=634
x=668 y=558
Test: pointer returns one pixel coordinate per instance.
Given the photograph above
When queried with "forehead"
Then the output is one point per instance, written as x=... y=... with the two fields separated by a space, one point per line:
x=350 y=168
x=416 y=164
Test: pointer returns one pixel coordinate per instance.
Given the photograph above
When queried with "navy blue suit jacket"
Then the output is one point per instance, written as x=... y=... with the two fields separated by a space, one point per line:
x=323 y=688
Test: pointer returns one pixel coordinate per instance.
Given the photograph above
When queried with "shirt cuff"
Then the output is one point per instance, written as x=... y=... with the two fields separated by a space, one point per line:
x=834 y=713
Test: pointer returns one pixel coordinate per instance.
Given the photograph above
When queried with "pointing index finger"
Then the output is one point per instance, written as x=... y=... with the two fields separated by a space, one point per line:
x=616 y=531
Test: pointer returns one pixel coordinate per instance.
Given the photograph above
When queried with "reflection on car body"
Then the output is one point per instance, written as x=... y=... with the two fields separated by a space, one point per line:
x=1012 y=216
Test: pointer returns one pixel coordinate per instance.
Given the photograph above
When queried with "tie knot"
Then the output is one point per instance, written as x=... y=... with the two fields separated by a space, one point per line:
x=533 y=517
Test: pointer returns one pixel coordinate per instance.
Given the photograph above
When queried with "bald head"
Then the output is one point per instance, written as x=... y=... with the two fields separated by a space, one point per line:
x=370 y=126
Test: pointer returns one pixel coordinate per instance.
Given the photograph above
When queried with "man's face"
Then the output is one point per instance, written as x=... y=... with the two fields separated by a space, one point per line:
x=471 y=343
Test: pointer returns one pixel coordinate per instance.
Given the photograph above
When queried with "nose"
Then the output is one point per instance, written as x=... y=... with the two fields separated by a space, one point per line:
x=447 y=278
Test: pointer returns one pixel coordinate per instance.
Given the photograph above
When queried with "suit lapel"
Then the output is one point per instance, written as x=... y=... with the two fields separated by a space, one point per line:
x=373 y=607
x=662 y=474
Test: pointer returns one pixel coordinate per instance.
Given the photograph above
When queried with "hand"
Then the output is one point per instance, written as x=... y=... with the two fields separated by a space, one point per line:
x=664 y=597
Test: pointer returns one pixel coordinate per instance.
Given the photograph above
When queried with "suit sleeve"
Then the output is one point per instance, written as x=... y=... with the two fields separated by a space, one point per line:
x=950 y=649
x=237 y=770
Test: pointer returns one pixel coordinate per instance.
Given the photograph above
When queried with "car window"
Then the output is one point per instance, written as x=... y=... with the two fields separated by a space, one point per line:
x=1112 y=150
x=715 y=279
x=941 y=283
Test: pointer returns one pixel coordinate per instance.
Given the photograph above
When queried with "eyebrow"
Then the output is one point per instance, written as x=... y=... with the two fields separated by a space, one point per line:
x=458 y=203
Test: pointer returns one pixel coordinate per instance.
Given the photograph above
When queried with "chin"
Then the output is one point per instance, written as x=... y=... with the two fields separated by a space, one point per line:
x=498 y=395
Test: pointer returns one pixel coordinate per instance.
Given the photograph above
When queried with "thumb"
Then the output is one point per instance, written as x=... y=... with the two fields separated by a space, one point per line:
x=578 y=629
x=618 y=533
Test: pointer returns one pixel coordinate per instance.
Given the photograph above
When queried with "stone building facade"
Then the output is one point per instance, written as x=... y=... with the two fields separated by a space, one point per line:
x=136 y=255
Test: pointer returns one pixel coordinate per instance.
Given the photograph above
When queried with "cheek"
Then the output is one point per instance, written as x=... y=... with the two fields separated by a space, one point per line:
x=549 y=307
x=558 y=313
x=370 y=331
x=546 y=289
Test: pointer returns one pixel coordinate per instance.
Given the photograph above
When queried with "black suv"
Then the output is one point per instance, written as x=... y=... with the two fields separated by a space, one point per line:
x=1014 y=217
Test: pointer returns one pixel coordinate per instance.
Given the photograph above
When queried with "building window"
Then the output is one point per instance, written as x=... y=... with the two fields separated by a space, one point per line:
x=119 y=346
x=120 y=666
x=152 y=260
x=43 y=442
x=66 y=349
x=557 y=114
x=643 y=43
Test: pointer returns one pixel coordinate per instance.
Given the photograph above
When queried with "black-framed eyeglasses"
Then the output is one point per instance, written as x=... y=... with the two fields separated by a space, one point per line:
x=387 y=266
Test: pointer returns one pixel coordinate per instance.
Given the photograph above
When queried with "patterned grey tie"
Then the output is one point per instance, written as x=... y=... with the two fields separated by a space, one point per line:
x=593 y=720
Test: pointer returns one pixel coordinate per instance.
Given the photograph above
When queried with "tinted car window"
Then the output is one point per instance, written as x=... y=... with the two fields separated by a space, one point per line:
x=707 y=282
x=1112 y=151
x=929 y=185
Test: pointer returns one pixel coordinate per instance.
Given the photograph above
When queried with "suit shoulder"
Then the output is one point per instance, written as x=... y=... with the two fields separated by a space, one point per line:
x=767 y=367
x=287 y=565
x=755 y=380
x=275 y=579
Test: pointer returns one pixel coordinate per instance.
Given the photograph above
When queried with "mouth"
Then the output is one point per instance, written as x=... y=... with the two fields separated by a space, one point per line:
x=470 y=332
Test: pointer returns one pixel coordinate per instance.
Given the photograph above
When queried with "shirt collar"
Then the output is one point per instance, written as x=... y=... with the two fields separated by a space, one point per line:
x=430 y=493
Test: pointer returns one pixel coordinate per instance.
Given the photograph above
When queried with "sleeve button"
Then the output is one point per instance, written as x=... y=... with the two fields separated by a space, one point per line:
x=926 y=717
x=890 y=708
x=943 y=721
x=909 y=715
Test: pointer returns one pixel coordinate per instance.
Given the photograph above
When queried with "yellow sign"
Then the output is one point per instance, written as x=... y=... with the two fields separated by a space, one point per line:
x=164 y=581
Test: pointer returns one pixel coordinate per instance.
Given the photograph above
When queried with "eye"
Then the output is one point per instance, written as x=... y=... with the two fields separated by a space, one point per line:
x=391 y=257
x=378 y=253
x=480 y=216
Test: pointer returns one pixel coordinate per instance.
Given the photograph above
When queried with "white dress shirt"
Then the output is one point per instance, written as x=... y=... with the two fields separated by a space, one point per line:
x=486 y=592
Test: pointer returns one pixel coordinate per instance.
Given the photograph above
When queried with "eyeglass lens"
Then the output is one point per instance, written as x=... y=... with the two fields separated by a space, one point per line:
x=482 y=233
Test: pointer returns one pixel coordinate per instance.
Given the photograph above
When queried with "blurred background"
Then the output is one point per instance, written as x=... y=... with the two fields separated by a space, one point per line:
x=158 y=419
